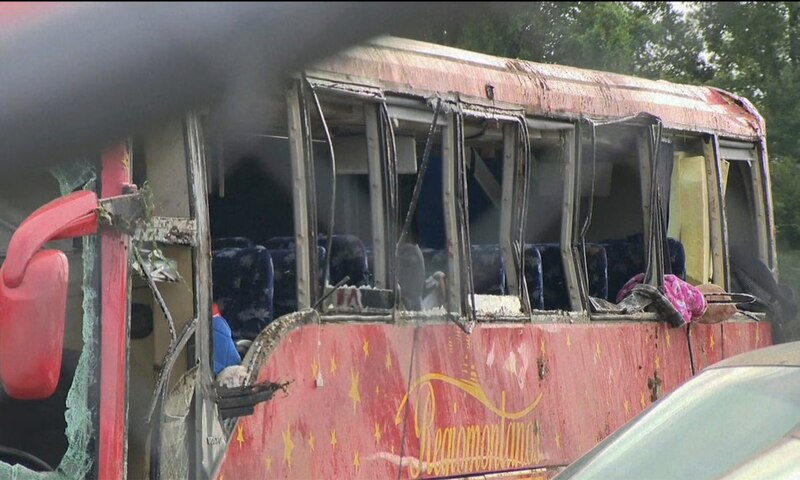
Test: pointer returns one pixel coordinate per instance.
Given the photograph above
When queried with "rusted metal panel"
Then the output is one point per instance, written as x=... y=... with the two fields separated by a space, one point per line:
x=508 y=397
x=409 y=66
x=170 y=230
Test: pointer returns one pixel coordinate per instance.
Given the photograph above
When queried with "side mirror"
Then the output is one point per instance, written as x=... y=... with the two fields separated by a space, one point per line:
x=33 y=295
x=32 y=319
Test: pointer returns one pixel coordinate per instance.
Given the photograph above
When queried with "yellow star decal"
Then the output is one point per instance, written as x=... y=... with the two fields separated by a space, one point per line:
x=597 y=349
x=356 y=461
x=377 y=433
x=314 y=368
x=711 y=343
x=511 y=364
x=355 y=392
x=642 y=401
x=541 y=347
x=669 y=339
x=388 y=360
x=365 y=347
x=627 y=406
x=333 y=365
x=311 y=441
x=658 y=361
x=288 y=446
x=558 y=440
x=569 y=342
x=269 y=463
x=240 y=435
x=333 y=438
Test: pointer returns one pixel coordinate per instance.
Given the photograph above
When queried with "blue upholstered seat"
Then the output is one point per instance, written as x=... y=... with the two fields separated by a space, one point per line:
x=532 y=264
x=488 y=270
x=231 y=242
x=626 y=259
x=243 y=288
x=556 y=292
x=348 y=257
x=285 y=263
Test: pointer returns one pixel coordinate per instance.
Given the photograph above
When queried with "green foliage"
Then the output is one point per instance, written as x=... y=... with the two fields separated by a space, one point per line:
x=638 y=38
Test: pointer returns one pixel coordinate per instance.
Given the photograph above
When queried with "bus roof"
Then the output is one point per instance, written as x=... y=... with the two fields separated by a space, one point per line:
x=555 y=91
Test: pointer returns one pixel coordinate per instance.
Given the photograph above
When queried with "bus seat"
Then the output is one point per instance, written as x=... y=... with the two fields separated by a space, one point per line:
x=231 y=242
x=284 y=261
x=626 y=259
x=677 y=258
x=348 y=257
x=411 y=275
x=243 y=288
x=555 y=290
x=532 y=262
x=488 y=270
x=280 y=243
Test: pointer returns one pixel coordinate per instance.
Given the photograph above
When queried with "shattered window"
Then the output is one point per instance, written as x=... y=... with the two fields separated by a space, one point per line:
x=56 y=433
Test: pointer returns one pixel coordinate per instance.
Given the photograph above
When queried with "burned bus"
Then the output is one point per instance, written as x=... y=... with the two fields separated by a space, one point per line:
x=429 y=262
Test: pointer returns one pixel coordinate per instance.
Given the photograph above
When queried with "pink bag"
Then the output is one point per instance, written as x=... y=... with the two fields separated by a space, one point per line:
x=687 y=299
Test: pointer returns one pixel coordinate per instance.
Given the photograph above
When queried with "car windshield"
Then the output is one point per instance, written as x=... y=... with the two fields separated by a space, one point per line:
x=703 y=430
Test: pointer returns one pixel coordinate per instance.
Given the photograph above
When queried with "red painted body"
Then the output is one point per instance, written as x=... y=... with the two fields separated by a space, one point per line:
x=519 y=396
x=114 y=325
x=417 y=68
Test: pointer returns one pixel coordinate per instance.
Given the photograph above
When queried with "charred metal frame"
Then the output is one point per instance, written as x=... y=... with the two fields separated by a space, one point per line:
x=209 y=436
x=716 y=213
x=300 y=197
x=511 y=156
x=376 y=194
x=768 y=249
x=573 y=261
x=171 y=231
x=414 y=110
x=570 y=211
x=454 y=302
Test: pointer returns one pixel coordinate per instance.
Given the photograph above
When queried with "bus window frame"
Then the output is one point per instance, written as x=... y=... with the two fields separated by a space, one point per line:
x=512 y=213
x=416 y=111
x=376 y=137
x=758 y=199
x=640 y=128
x=304 y=235
x=303 y=174
x=569 y=253
x=570 y=211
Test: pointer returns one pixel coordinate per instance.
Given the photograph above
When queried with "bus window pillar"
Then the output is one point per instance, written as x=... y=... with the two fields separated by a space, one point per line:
x=304 y=240
x=716 y=214
x=452 y=247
